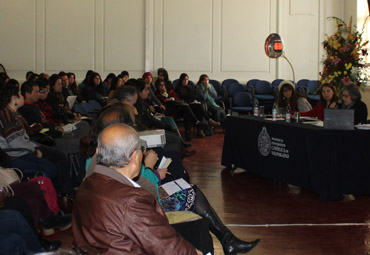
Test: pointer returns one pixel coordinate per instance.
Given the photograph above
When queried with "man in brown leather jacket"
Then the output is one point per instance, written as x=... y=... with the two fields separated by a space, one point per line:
x=112 y=214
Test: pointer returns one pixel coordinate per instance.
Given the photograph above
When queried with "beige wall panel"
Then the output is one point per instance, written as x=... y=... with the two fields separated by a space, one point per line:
x=17 y=35
x=187 y=35
x=69 y=35
x=245 y=27
x=300 y=32
x=124 y=35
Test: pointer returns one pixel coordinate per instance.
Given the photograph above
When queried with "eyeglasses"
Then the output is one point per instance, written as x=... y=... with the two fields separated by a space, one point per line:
x=345 y=95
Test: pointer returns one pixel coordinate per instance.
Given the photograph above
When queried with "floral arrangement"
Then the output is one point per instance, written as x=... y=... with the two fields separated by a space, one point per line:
x=345 y=52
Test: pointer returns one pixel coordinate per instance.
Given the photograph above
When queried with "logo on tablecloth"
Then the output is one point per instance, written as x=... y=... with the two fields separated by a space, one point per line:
x=272 y=145
x=264 y=142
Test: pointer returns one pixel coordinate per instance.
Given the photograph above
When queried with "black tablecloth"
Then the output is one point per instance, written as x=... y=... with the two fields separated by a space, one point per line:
x=327 y=162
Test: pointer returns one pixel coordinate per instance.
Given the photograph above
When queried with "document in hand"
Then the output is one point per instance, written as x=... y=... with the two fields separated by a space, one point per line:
x=165 y=162
x=69 y=127
x=172 y=187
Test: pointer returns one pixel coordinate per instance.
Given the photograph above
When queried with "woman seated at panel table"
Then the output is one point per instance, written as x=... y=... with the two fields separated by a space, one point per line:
x=288 y=95
x=351 y=99
x=328 y=100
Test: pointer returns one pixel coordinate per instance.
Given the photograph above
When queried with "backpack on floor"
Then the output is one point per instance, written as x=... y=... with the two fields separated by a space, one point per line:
x=49 y=192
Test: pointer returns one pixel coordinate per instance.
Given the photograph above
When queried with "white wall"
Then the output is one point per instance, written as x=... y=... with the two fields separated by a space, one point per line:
x=222 y=38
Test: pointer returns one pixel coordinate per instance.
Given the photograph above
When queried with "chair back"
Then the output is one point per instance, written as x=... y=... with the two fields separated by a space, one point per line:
x=217 y=85
x=235 y=88
x=312 y=86
x=276 y=83
x=263 y=88
x=175 y=83
x=226 y=83
x=191 y=84
x=302 y=83
x=242 y=99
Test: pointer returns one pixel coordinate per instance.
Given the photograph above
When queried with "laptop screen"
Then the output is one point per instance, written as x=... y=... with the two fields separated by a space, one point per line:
x=342 y=119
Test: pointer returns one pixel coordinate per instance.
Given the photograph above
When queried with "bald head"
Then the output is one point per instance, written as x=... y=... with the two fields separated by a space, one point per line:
x=116 y=144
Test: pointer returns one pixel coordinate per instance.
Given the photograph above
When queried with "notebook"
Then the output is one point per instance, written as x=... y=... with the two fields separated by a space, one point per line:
x=342 y=119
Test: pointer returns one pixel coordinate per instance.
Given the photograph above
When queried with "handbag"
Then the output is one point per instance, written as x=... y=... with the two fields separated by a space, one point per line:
x=48 y=191
x=9 y=176
x=44 y=139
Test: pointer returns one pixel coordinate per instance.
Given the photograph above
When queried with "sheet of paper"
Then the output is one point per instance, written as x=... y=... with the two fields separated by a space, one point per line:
x=69 y=127
x=171 y=187
x=182 y=183
x=363 y=126
x=44 y=130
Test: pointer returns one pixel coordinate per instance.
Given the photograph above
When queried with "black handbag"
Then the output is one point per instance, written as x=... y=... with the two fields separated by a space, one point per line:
x=44 y=139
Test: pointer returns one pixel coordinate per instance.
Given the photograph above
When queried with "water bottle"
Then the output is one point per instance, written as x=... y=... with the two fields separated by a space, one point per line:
x=256 y=110
x=287 y=114
x=274 y=112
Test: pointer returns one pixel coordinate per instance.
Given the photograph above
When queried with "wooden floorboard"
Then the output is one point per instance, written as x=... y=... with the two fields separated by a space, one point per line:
x=290 y=221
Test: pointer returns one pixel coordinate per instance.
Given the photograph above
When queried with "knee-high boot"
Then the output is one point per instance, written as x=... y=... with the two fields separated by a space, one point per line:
x=230 y=243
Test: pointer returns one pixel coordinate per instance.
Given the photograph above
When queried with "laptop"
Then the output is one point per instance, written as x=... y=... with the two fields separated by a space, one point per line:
x=342 y=119
x=71 y=100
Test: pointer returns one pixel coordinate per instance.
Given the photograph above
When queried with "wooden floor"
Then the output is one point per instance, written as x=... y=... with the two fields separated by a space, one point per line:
x=290 y=221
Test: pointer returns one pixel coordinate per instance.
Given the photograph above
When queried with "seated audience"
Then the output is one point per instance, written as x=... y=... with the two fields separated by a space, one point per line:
x=191 y=199
x=125 y=76
x=14 y=136
x=74 y=89
x=171 y=149
x=163 y=76
x=206 y=93
x=57 y=101
x=25 y=154
x=178 y=109
x=186 y=93
x=121 y=218
x=351 y=99
x=328 y=100
x=115 y=84
x=4 y=78
x=108 y=82
x=288 y=95
x=148 y=79
x=28 y=75
x=94 y=89
x=87 y=77
x=148 y=118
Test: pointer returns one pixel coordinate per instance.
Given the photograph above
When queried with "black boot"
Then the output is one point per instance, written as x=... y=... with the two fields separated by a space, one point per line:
x=49 y=245
x=230 y=243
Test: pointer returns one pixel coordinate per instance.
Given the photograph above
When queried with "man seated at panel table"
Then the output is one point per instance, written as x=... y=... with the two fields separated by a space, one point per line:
x=112 y=214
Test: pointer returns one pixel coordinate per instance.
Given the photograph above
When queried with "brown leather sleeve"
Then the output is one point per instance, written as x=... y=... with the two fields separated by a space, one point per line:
x=148 y=226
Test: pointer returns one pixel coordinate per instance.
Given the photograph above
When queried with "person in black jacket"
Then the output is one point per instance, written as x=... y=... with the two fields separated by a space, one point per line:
x=351 y=99
x=186 y=93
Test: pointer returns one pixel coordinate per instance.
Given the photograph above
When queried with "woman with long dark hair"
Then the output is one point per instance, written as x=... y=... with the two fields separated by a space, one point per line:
x=206 y=93
x=289 y=95
x=185 y=92
x=328 y=100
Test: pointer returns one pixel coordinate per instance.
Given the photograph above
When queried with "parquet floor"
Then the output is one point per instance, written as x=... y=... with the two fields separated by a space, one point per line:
x=290 y=221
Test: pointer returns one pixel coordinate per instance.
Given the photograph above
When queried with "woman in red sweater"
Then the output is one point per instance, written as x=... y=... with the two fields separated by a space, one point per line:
x=328 y=99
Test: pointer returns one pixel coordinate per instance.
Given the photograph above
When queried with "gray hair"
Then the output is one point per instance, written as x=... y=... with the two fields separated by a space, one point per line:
x=125 y=94
x=117 y=153
x=353 y=92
